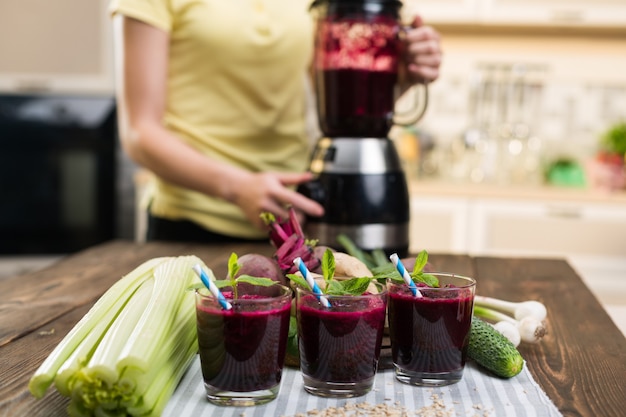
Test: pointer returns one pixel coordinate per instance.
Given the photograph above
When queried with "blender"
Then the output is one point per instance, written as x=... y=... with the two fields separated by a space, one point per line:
x=359 y=179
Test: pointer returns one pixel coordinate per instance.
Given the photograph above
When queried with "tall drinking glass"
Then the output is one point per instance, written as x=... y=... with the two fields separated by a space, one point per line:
x=242 y=350
x=340 y=345
x=430 y=334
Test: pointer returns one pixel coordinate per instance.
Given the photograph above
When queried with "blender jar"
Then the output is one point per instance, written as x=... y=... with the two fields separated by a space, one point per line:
x=357 y=52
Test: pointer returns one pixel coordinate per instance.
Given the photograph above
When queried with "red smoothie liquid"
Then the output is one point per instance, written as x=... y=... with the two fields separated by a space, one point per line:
x=340 y=344
x=242 y=349
x=357 y=102
x=434 y=332
x=356 y=69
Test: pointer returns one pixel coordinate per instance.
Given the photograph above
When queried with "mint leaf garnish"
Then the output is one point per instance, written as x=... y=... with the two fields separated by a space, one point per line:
x=300 y=281
x=328 y=266
x=420 y=261
x=260 y=281
x=386 y=271
x=334 y=287
x=263 y=282
x=356 y=286
x=428 y=279
x=233 y=266
x=419 y=275
x=389 y=271
x=223 y=283
x=352 y=286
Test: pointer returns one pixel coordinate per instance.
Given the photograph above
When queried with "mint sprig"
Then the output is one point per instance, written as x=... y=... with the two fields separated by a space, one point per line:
x=233 y=269
x=418 y=275
x=332 y=286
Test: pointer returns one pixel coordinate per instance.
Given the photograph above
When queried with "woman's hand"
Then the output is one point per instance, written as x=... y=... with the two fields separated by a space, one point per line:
x=423 y=51
x=255 y=193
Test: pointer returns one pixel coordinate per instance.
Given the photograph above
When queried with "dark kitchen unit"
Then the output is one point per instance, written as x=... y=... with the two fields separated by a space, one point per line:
x=57 y=172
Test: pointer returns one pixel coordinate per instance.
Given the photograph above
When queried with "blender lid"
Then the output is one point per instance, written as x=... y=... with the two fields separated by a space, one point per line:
x=396 y=3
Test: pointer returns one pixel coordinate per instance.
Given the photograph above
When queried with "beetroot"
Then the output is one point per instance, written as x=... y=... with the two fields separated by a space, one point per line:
x=288 y=238
x=261 y=266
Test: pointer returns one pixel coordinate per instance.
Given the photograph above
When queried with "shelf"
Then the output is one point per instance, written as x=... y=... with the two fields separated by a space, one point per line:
x=529 y=29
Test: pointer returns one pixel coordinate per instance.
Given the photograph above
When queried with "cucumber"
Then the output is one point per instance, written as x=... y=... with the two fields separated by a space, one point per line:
x=493 y=351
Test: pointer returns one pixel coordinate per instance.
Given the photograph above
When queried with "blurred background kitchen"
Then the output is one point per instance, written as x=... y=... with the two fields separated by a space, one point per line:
x=518 y=154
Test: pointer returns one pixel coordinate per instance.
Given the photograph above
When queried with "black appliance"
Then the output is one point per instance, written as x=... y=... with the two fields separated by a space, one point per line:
x=361 y=184
x=57 y=172
x=359 y=177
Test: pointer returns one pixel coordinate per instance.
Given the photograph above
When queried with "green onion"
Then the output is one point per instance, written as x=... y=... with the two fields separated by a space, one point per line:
x=128 y=353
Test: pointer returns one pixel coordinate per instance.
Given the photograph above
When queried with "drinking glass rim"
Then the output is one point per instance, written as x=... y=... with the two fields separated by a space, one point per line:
x=287 y=292
x=471 y=282
x=307 y=291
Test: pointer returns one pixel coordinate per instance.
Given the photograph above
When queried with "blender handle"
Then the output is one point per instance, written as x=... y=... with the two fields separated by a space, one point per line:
x=416 y=116
x=416 y=102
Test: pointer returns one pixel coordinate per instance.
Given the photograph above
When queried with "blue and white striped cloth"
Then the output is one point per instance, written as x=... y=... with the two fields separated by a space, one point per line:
x=477 y=394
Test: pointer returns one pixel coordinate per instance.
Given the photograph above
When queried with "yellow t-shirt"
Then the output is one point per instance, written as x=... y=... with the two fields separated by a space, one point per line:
x=235 y=92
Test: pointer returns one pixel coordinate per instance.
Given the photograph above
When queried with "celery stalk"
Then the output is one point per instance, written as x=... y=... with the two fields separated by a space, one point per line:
x=103 y=363
x=181 y=346
x=168 y=376
x=80 y=356
x=167 y=391
x=172 y=279
x=44 y=376
x=132 y=357
x=183 y=334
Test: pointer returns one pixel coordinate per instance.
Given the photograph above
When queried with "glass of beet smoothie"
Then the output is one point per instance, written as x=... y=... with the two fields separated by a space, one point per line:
x=242 y=350
x=340 y=345
x=429 y=334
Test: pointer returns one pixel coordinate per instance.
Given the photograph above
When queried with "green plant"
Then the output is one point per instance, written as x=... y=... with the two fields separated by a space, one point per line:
x=614 y=139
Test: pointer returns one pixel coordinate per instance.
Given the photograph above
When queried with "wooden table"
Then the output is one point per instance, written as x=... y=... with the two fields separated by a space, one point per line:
x=580 y=364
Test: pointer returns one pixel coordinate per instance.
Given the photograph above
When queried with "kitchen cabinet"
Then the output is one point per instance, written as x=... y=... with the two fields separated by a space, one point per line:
x=438 y=224
x=549 y=221
x=547 y=228
x=562 y=13
x=591 y=236
x=586 y=227
x=556 y=12
x=447 y=11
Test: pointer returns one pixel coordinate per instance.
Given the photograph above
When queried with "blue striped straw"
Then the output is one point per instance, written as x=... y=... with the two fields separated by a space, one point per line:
x=212 y=287
x=309 y=279
x=404 y=274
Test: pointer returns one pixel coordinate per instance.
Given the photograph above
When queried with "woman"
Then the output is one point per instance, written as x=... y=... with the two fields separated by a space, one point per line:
x=212 y=100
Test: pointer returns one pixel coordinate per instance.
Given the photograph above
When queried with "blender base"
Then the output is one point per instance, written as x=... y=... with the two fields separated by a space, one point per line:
x=362 y=187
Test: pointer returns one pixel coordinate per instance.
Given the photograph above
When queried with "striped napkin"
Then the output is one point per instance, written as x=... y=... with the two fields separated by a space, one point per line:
x=478 y=394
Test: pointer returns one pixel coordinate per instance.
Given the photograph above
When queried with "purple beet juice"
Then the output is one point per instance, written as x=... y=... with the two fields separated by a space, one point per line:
x=243 y=349
x=340 y=344
x=429 y=334
x=356 y=70
x=356 y=102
